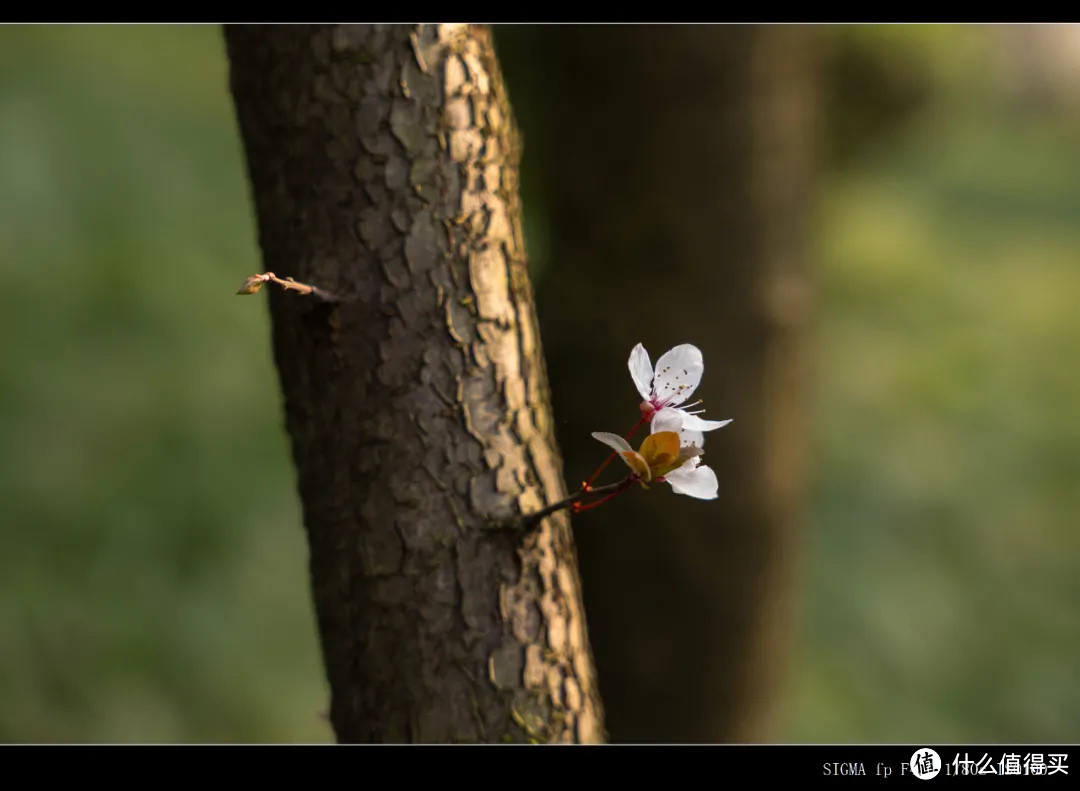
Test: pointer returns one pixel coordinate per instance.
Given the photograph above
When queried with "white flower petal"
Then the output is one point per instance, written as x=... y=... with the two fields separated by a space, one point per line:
x=690 y=437
x=666 y=419
x=694 y=481
x=695 y=423
x=631 y=458
x=671 y=419
x=641 y=370
x=691 y=463
x=613 y=441
x=691 y=452
x=678 y=373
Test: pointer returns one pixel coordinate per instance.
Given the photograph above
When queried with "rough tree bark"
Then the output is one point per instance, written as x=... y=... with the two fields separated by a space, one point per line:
x=675 y=165
x=384 y=167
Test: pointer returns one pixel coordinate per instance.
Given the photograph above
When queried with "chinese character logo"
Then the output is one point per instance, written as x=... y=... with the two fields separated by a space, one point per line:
x=925 y=763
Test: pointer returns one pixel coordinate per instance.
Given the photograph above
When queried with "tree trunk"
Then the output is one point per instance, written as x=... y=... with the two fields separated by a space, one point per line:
x=384 y=168
x=675 y=165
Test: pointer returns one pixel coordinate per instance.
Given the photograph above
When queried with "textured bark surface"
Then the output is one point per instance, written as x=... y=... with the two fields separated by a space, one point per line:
x=678 y=203
x=383 y=161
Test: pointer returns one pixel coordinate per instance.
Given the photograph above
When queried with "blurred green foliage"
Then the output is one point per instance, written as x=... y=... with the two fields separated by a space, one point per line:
x=942 y=564
x=152 y=562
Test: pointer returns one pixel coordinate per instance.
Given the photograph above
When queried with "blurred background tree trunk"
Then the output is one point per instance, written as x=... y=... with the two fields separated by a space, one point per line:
x=384 y=167
x=668 y=175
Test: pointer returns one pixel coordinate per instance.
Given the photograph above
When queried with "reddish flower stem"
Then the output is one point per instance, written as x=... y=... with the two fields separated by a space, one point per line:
x=623 y=486
x=573 y=502
x=587 y=485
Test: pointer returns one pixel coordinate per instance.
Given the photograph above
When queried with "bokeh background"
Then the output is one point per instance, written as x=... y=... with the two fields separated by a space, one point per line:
x=152 y=562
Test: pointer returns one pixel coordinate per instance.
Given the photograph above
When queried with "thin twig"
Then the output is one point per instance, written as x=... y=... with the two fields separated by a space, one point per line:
x=526 y=522
x=626 y=483
x=255 y=282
